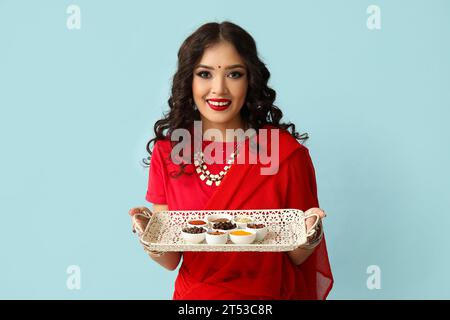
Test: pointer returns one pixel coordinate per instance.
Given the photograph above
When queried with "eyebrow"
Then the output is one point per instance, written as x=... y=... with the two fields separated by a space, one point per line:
x=226 y=68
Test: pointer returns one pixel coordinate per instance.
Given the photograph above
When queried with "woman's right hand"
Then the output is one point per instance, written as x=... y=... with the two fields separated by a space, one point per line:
x=139 y=222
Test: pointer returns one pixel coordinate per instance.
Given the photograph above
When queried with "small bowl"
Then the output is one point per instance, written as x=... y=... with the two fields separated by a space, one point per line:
x=193 y=238
x=247 y=238
x=242 y=221
x=197 y=223
x=221 y=238
x=211 y=218
x=261 y=233
x=225 y=230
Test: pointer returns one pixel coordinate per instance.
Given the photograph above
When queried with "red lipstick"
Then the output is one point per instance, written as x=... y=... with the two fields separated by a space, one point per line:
x=219 y=104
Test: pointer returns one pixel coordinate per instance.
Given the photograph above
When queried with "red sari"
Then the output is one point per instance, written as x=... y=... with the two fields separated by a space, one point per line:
x=260 y=275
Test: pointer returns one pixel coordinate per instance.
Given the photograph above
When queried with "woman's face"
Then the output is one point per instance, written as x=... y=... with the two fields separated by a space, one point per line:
x=220 y=74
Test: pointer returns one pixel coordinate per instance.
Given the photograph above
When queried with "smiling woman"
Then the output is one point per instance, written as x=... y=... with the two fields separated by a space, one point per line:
x=220 y=92
x=221 y=83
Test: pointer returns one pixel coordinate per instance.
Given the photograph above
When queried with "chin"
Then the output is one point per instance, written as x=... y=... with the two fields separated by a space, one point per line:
x=218 y=120
x=219 y=117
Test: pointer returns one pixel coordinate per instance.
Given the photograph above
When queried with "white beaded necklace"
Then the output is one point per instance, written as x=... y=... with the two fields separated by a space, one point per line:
x=205 y=174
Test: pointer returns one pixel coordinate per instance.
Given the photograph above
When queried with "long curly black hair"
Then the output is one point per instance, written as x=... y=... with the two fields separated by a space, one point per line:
x=258 y=109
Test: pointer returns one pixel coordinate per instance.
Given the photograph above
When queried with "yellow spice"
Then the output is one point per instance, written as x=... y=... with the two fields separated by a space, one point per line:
x=240 y=233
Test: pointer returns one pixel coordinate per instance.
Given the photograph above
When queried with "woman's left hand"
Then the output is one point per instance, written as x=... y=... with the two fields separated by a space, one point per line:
x=312 y=220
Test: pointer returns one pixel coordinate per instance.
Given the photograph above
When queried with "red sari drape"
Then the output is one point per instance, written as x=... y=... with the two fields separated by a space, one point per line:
x=260 y=275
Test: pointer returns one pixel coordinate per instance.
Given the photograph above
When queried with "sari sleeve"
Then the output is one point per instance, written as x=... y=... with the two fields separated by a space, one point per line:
x=301 y=193
x=155 y=188
x=301 y=190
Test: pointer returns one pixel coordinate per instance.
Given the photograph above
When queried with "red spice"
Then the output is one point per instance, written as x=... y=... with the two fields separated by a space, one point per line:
x=197 y=222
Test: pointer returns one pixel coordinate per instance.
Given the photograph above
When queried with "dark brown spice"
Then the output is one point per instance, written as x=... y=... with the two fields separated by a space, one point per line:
x=256 y=225
x=224 y=225
x=194 y=230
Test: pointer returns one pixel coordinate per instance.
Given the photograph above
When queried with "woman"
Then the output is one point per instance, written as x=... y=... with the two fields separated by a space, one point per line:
x=221 y=82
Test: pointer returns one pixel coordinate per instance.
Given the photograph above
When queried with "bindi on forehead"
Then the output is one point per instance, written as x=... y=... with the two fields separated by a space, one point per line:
x=233 y=66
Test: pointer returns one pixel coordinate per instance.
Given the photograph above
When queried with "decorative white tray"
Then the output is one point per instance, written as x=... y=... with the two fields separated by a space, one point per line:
x=286 y=230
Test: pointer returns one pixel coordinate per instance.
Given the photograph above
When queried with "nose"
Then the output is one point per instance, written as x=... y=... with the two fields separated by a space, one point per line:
x=219 y=86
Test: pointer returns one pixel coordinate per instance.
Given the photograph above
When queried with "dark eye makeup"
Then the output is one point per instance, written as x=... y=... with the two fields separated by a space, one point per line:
x=207 y=74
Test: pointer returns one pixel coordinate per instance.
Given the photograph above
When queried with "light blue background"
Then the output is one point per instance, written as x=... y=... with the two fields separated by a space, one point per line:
x=78 y=106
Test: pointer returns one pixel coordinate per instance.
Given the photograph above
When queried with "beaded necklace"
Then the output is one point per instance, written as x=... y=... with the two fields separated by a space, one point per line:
x=206 y=175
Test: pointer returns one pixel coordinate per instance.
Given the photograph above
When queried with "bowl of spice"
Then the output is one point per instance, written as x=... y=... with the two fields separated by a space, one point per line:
x=216 y=237
x=242 y=221
x=243 y=236
x=261 y=230
x=197 y=223
x=193 y=235
x=215 y=218
x=225 y=226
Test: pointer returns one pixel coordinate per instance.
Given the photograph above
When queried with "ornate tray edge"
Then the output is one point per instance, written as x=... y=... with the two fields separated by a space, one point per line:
x=203 y=247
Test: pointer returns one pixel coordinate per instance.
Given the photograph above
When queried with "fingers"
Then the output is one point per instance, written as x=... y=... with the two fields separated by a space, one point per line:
x=317 y=211
x=312 y=221
x=141 y=219
x=133 y=211
x=139 y=222
x=321 y=213
x=147 y=210
x=140 y=225
x=136 y=210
